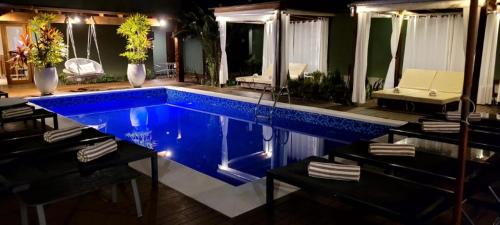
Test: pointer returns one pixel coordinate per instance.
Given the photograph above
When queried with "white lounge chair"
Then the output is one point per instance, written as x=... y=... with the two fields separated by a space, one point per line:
x=261 y=81
x=416 y=85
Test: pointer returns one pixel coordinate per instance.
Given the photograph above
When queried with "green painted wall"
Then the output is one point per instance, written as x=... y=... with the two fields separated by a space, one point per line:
x=379 y=49
x=110 y=47
x=340 y=43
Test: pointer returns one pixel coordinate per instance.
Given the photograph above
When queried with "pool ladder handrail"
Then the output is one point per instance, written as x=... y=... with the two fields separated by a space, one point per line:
x=275 y=99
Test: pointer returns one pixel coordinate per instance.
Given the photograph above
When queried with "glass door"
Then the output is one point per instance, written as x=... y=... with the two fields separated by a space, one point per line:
x=10 y=34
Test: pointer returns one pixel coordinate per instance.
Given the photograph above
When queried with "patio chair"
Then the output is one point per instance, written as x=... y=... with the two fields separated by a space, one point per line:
x=168 y=68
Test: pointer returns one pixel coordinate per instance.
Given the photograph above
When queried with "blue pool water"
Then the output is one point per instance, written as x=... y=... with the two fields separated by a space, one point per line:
x=216 y=136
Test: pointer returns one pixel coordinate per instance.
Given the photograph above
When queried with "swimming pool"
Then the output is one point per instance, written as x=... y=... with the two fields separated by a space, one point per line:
x=210 y=133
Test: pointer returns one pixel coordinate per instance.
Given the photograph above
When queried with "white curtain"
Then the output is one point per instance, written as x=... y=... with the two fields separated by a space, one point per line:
x=361 y=56
x=397 y=21
x=285 y=46
x=309 y=44
x=223 y=69
x=269 y=46
x=435 y=42
x=487 y=74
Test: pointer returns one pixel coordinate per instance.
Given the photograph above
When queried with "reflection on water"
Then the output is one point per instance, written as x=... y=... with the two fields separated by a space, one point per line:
x=232 y=150
x=140 y=133
x=445 y=149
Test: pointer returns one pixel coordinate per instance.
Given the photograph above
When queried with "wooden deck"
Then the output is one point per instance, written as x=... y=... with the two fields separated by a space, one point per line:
x=167 y=206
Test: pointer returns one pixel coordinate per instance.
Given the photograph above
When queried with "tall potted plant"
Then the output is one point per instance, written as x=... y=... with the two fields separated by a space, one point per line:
x=135 y=29
x=44 y=53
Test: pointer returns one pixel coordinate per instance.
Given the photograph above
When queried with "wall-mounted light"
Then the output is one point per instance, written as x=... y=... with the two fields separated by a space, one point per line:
x=162 y=22
x=75 y=19
x=353 y=11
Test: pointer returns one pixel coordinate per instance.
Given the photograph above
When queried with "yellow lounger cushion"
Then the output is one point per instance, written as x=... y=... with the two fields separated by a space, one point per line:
x=389 y=93
x=441 y=98
x=417 y=79
x=450 y=82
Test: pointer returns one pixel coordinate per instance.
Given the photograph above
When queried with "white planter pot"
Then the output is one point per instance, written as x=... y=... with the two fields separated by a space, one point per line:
x=46 y=80
x=136 y=74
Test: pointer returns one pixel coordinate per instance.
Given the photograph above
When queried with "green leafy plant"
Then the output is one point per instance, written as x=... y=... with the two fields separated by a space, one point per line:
x=48 y=48
x=136 y=29
x=319 y=86
x=201 y=24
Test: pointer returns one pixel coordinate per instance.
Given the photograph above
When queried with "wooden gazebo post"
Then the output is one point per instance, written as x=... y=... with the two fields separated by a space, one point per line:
x=464 y=126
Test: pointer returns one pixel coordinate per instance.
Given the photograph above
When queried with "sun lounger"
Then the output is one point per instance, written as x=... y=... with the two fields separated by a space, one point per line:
x=260 y=81
x=73 y=185
x=40 y=114
x=426 y=162
x=391 y=196
x=35 y=144
x=489 y=123
x=477 y=138
x=45 y=165
x=416 y=85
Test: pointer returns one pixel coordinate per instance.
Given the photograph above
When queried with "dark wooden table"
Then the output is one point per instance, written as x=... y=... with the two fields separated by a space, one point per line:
x=477 y=139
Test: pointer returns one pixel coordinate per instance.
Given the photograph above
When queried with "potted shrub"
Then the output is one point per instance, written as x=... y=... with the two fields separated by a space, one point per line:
x=135 y=29
x=44 y=53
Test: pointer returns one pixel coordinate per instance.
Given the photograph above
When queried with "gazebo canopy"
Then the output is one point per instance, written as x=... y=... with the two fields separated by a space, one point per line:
x=276 y=17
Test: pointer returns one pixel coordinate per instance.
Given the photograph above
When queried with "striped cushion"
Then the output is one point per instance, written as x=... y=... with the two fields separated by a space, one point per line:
x=61 y=134
x=455 y=116
x=334 y=171
x=387 y=149
x=97 y=150
x=441 y=127
x=16 y=112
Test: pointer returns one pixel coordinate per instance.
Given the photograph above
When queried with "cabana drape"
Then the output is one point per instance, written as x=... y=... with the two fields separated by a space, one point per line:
x=361 y=55
x=285 y=46
x=397 y=21
x=435 y=42
x=223 y=68
x=487 y=74
x=269 y=46
x=309 y=44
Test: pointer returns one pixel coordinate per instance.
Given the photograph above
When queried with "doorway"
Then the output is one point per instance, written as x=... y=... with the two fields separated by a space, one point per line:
x=9 y=40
